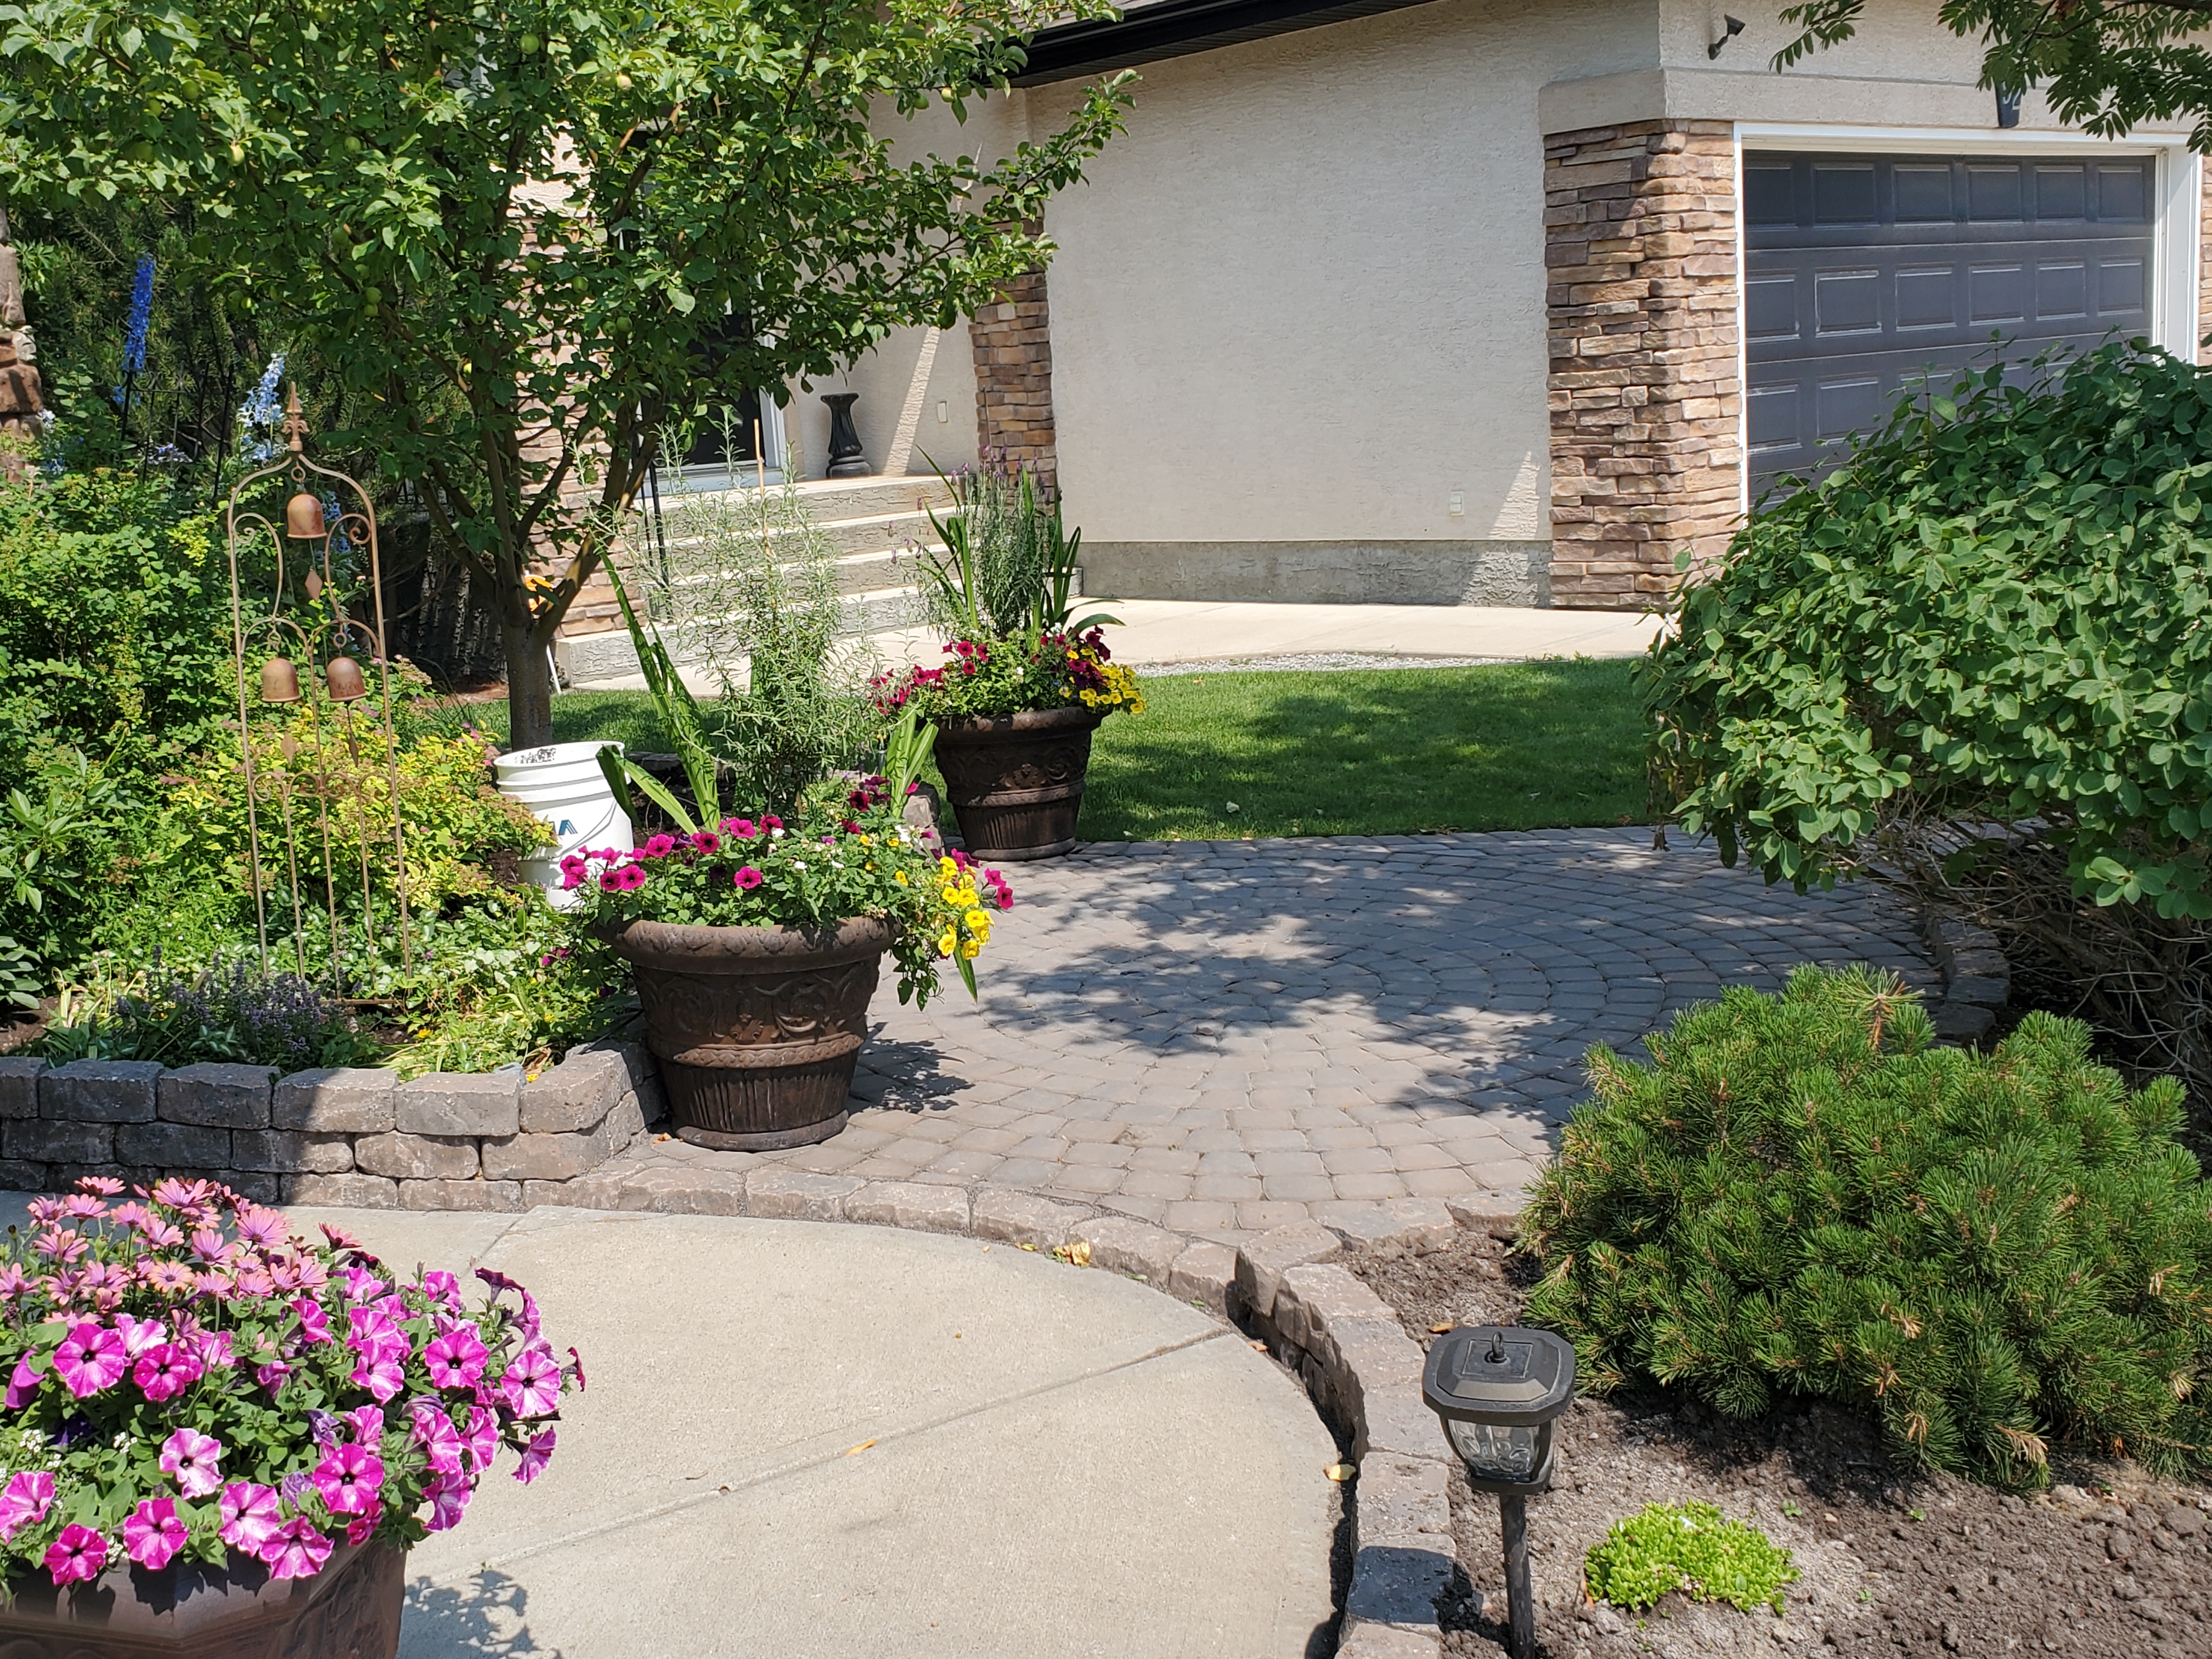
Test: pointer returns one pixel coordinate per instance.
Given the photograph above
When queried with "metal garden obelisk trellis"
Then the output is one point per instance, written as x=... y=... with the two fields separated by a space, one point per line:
x=306 y=627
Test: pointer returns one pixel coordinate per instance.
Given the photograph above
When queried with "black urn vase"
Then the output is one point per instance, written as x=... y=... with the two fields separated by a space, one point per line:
x=845 y=461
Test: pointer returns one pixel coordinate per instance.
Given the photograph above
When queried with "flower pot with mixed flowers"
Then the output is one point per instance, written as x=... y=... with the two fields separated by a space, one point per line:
x=757 y=945
x=1024 y=686
x=220 y=1439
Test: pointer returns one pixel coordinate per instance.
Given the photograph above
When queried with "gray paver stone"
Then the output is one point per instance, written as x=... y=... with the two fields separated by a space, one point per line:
x=1361 y=1356
x=796 y=1196
x=1401 y=1496
x=364 y=1192
x=416 y=1157
x=913 y=1205
x=576 y=1094
x=291 y=1152
x=1364 y=1640
x=99 y=1092
x=19 y=1085
x=461 y=1103
x=1203 y=1274
x=1396 y=1581
x=1262 y=1261
x=1015 y=1217
x=342 y=1100
x=172 y=1146
x=562 y=1157
x=1397 y=1419
x=1493 y=1213
x=679 y=1190
x=596 y=1191
x=1415 y=1226
x=500 y=1197
x=45 y=1142
x=1311 y=1297
x=1123 y=1246
x=216 y=1095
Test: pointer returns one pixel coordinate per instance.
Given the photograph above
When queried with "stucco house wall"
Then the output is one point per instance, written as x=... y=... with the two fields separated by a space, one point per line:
x=1326 y=323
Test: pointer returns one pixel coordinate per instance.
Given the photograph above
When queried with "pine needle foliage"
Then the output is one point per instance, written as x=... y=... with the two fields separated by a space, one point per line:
x=1992 y=1253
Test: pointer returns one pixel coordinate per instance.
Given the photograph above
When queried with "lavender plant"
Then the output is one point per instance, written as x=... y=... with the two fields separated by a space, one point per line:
x=229 y=1011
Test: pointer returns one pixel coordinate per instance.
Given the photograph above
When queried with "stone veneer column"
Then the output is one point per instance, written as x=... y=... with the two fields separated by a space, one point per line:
x=1012 y=344
x=2203 y=353
x=1640 y=248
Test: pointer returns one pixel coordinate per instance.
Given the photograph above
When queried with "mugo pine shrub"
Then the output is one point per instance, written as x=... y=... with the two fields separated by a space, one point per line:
x=1802 y=1195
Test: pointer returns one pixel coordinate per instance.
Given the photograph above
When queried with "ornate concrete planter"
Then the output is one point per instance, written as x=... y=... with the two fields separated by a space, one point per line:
x=349 y=1610
x=757 y=1029
x=1016 y=782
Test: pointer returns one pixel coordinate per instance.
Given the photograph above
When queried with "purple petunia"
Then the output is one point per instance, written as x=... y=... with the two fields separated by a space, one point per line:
x=154 y=1533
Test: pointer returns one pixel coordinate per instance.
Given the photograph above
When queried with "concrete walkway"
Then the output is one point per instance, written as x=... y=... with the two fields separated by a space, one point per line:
x=1224 y=1037
x=1056 y=1462
x=1157 y=631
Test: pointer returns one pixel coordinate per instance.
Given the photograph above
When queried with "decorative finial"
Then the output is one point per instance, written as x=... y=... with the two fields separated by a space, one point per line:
x=295 y=424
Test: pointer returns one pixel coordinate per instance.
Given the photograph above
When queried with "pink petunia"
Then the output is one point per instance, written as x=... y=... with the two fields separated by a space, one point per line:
x=769 y=820
x=534 y=1457
x=23 y=1384
x=434 y=1432
x=574 y=864
x=348 y=1480
x=192 y=1457
x=165 y=1372
x=706 y=840
x=630 y=878
x=362 y=1527
x=296 y=1550
x=24 y=1501
x=367 y=1423
x=482 y=1438
x=743 y=829
x=250 y=1515
x=215 y=1350
x=443 y=1288
x=532 y=1383
x=382 y=1374
x=153 y=1532
x=314 y=1323
x=660 y=846
x=90 y=1358
x=78 y=1554
x=456 y=1358
x=609 y=881
x=747 y=879
x=576 y=1369
x=140 y=1334
x=449 y=1497
x=362 y=1286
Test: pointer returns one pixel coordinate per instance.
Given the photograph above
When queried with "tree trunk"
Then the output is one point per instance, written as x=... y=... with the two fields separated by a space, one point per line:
x=529 y=687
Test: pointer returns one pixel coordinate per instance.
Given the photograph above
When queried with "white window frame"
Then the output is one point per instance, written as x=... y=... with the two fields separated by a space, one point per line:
x=2178 y=189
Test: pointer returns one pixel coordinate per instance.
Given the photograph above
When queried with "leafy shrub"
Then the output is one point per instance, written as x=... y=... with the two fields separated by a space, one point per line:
x=20 y=980
x=506 y=982
x=1802 y=1195
x=1975 y=654
x=1691 y=1547
x=63 y=830
x=227 y=1012
x=1008 y=563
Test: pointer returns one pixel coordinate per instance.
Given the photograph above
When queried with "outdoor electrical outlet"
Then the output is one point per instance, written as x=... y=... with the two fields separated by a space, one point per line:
x=1459 y=504
x=941 y=415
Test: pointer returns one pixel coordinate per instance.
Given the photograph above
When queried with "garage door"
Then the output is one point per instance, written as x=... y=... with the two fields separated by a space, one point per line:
x=1863 y=272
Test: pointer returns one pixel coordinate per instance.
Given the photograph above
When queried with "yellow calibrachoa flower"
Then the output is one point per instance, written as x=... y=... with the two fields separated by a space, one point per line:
x=945 y=942
x=978 y=923
x=899 y=876
x=972 y=948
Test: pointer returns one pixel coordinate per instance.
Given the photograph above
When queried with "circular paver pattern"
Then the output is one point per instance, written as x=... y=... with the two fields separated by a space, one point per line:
x=1224 y=1037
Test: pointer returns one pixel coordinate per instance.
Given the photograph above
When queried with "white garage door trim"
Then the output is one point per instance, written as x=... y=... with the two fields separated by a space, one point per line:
x=2178 y=189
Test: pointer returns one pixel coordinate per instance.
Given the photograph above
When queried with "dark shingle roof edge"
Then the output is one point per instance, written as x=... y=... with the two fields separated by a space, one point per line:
x=1173 y=28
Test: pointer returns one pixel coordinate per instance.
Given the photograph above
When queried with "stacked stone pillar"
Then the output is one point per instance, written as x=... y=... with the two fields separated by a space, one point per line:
x=1646 y=393
x=1012 y=344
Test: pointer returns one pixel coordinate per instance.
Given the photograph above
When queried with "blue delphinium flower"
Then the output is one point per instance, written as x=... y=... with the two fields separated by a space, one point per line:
x=263 y=414
x=141 y=318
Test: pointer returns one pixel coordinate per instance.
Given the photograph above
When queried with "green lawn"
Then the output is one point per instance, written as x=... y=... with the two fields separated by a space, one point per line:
x=1384 y=752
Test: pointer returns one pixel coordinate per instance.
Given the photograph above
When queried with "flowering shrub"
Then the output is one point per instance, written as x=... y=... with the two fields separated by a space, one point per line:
x=762 y=873
x=1010 y=675
x=188 y=1381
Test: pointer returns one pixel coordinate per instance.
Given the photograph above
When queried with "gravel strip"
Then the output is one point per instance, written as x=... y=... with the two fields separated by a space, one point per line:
x=1323 y=661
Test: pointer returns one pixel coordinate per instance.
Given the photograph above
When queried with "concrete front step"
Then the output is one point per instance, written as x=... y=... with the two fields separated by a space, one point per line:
x=827 y=499
x=585 y=658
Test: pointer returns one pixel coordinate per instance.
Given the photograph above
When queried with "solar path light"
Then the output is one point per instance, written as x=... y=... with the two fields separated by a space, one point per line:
x=1498 y=1388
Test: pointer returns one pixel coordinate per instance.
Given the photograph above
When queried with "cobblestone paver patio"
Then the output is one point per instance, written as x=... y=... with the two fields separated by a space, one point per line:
x=1224 y=1037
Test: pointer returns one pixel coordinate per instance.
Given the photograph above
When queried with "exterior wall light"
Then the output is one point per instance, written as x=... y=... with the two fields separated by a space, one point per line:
x=1730 y=28
x=1497 y=1390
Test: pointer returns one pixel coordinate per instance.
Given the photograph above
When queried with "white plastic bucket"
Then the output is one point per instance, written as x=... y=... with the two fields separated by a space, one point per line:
x=563 y=785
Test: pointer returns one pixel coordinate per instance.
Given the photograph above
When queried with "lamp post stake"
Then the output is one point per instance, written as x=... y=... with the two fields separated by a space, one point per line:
x=1520 y=1599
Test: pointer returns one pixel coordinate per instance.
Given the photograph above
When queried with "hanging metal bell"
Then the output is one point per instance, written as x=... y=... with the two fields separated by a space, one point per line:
x=303 y=518
x=344 y=677
x=280 y=681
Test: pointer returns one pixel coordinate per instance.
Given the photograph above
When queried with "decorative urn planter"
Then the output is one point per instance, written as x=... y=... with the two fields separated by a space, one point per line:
x=349 y=1610
x=757 y=1029
x=1016 y=781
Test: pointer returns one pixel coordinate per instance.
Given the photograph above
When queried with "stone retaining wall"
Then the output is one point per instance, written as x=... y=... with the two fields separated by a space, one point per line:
x=355 y=1136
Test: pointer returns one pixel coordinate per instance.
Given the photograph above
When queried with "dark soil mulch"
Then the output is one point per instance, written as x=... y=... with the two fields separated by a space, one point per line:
x=2108 y=1564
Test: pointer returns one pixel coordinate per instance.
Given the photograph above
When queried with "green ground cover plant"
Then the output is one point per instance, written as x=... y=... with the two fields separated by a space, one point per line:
x=1690 y=1547
x=1383 y=751
x=1990 y=1254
